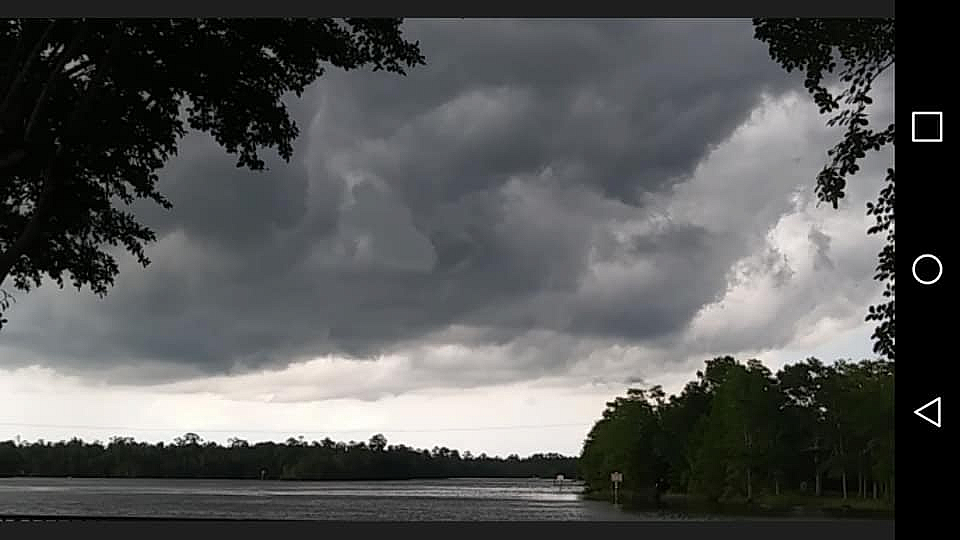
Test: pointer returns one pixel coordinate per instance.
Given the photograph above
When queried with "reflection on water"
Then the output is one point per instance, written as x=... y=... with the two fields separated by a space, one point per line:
x=453 y=499
x=460 y=488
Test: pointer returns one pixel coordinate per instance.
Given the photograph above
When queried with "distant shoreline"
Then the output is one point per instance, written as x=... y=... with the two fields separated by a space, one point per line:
x=296 y=459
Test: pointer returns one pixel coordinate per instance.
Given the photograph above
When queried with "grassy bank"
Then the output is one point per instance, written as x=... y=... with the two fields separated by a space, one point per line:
x=785 y=505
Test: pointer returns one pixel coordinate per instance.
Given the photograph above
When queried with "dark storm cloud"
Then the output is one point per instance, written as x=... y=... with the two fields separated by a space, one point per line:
x=483 y=190
x=628 y=105
x=219 y=203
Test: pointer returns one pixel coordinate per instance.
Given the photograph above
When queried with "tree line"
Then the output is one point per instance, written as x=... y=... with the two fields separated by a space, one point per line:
x=739 y=431
x=296 y=459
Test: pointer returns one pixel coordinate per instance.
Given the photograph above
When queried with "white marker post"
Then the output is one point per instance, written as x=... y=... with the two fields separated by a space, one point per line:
x=616 y=478
x=559 y=481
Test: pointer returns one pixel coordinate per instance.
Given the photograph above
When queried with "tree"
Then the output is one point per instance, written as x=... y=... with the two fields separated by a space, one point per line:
x=802 y=413
x=237 y=442
x=188 y=439
x=91 y=109
x=378 y=443
x=741 y=432
x=683 y=425
x=859 y=51
x=624 y=440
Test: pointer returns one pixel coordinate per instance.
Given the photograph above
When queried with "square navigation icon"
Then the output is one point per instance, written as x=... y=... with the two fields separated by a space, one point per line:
x=927 y=127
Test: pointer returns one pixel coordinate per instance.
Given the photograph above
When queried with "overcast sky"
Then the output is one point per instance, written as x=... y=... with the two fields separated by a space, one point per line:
x=477 y=255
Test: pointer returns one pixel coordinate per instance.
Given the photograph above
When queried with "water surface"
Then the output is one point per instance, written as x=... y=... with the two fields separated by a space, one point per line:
x=452 y=499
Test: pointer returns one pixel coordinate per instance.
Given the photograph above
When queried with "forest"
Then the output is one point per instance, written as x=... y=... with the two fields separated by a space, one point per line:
x=296 y=459
x=739 y=432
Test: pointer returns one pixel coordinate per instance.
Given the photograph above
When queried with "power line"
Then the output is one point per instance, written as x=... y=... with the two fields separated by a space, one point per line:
x=289 y=431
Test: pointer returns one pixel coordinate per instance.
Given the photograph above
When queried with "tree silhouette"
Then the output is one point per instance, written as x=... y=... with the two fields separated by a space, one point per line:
x=188 y=439
x=91 y=109
x=378 y=443
x=858 y=51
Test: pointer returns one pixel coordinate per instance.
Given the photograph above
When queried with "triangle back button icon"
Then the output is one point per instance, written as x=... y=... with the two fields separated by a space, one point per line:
x=929 y=415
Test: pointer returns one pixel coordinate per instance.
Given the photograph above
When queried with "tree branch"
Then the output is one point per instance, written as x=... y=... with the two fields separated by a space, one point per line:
x=14 y=60
x=32 y=233
x=96 y=84
x=22 y=74
x=52 y=80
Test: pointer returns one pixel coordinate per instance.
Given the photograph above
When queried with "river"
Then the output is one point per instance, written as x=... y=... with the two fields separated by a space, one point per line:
x=487 y=499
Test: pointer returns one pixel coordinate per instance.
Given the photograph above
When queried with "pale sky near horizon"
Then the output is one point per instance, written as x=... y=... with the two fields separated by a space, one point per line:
x=478 y=255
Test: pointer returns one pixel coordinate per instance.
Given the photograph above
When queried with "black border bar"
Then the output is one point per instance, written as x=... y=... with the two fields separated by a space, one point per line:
x=782 y=530
x=925 y=218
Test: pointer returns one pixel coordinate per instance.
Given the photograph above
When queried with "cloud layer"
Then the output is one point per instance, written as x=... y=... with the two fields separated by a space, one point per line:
x=587 y=199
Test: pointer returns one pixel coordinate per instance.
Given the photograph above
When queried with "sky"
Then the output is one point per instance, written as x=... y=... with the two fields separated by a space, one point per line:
x=478 y=255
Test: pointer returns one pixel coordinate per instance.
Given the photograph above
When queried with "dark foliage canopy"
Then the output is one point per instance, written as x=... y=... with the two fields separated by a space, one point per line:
x=92 y=109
